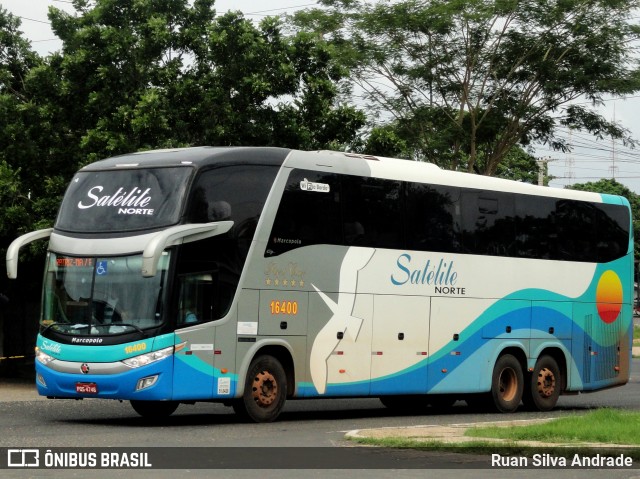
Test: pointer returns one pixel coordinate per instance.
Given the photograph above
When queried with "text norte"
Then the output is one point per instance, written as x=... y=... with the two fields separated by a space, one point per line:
x=441 y=274
x=132 y=202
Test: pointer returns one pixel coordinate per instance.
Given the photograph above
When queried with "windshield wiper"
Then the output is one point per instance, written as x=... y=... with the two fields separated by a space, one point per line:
x=74 y=326
x=130 y=326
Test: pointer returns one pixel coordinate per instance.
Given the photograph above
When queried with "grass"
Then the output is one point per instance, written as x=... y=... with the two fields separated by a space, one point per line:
x=605 y=425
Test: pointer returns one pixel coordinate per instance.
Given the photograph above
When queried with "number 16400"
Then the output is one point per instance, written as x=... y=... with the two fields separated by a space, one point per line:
x=284 y=307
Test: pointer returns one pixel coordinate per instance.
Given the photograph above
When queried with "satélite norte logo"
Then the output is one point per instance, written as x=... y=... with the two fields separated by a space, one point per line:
x=440 y=274
x=132 y=202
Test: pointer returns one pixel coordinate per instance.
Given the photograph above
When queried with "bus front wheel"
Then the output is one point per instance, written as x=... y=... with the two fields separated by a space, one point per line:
x=544 y=386
x=507 y=384
x=154 y=409
x=265 y=391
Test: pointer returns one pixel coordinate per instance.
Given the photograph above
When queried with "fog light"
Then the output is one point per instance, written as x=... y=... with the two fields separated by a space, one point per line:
x=147 y=382
x=41 y=380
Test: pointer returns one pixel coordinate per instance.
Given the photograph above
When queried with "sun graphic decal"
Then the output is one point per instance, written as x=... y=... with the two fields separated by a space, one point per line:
x=609 y=296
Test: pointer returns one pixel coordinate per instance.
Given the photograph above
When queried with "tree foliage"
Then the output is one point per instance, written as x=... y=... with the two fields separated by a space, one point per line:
x=470 y=79
x=140 y=74
x=18 y=118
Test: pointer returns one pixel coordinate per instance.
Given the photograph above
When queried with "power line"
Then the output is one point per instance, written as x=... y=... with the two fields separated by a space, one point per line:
x=32 y=20
x=281 y=8
x=257 y=13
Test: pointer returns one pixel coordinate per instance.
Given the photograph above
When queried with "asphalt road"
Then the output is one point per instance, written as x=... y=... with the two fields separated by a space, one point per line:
x=36 y=423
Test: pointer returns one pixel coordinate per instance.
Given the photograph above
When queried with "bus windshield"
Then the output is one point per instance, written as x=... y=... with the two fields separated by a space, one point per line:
x=101 y=296
x=123 y=200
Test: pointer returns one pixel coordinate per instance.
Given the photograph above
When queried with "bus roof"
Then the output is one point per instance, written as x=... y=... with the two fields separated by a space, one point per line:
x=200 y=156
x=407 y=170
x=334 y=161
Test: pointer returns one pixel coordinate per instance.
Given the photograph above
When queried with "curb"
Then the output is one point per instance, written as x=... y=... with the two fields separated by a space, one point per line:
x=454 y=434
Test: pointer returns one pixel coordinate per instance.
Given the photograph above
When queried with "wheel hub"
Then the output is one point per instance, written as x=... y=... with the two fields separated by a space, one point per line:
x=546 y=382
x=265 y=389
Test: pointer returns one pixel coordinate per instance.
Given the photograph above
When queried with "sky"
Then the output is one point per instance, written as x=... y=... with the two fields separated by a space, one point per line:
x=590 y=160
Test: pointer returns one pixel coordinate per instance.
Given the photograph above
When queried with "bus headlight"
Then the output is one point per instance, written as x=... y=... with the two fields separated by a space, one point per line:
x=148 y=358
x=43 y=357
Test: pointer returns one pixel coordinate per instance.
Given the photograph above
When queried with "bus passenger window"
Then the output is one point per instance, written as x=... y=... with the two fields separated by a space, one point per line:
x=307 y=215
x=197 y=298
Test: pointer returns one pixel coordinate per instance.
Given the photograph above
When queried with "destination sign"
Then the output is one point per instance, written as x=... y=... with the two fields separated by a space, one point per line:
x=74 y=262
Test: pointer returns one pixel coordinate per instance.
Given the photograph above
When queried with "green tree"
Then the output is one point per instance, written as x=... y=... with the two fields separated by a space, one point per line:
x=141 y=74
x=612 y=187
x=17 y=149
x=484 y=76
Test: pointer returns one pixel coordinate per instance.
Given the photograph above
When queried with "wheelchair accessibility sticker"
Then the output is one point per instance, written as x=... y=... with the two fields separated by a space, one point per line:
x=101 y=268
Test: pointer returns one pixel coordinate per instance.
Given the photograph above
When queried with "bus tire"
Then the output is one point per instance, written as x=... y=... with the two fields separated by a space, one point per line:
x=265 y=391
x=507 y=384
x=543 y=389
x=154 y=409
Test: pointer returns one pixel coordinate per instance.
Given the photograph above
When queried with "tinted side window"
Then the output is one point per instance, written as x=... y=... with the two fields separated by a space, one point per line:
x=309 y=213
x=612 y=226
x=536 y=231
x=576 y=223
x=488 y=220
x=321 y=208
x=372 y=212
x=234 y=192
x=433 y=218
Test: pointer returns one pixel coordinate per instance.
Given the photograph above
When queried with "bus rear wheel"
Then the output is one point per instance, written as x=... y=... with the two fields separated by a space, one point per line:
x=507 y=384
x=265 y=391
x=544 y=386
x=154 y=409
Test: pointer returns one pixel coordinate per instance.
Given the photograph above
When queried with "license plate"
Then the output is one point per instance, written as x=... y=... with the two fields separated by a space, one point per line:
x=87 y=388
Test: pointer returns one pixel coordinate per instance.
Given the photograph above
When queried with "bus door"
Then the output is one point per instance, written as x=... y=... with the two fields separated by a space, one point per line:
x=194 y=362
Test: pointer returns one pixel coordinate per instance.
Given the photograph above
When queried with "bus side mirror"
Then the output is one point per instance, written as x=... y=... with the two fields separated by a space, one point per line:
x=14 y=249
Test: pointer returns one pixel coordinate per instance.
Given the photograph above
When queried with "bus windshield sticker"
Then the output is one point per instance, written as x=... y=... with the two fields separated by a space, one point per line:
x=306 y=185
x=134 y=201
x=101 y=268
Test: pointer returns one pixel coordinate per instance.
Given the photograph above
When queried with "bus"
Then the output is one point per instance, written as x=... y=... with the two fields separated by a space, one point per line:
x=253 y=275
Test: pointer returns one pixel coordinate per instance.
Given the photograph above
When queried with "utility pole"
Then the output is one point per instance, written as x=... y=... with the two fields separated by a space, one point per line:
x=542 y=168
